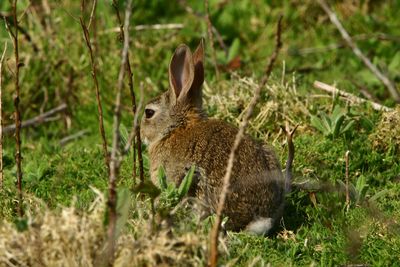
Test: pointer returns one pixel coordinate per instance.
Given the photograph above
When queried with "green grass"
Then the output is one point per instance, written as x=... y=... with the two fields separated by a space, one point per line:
x=316 y=228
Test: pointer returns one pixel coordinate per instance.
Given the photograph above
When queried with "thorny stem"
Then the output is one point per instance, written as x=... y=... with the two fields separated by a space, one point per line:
x=138 y=141
x=213 y=259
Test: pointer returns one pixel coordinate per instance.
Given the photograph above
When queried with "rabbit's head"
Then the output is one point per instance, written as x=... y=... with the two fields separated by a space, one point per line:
x=182 y=103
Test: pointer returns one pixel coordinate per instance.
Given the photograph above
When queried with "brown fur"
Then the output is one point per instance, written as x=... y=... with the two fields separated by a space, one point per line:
x=180 y=135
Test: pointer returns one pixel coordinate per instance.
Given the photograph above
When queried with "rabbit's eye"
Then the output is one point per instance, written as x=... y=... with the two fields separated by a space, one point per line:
x=149 y=113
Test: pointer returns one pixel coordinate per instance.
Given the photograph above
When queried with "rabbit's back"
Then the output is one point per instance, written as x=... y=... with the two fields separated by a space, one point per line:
x=256 y=185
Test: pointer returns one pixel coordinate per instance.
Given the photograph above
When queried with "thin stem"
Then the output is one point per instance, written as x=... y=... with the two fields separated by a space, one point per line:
x=115 y=159
x=213 y=260
x=97 y=89
x=135 y=109
x=17 y=113
x=1 y=115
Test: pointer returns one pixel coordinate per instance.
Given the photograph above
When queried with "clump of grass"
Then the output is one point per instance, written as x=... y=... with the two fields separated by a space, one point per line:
x=386 y=135
x=71 y=238
x=280 y=102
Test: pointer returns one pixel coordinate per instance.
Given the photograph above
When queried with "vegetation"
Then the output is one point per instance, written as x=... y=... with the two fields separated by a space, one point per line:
x=65 y=184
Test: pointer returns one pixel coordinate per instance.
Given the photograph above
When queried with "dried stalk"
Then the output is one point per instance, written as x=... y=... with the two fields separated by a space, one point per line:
x=288 y=169
x=226 y=181
x=211 y=37
x=346 y=156
x=1 y=115
x=96 y=83
x=17 y=114
x=355 y=99
x=115 y=159
x=135 y=108
x=36 y=120
x=92 y=13
x=385 y=80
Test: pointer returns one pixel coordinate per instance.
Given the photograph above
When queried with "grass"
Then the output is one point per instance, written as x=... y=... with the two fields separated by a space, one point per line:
x=316 y=228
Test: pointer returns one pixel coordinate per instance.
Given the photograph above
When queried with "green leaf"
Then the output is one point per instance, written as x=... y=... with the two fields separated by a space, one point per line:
x=162 y=178
x=233 y=49
x=186 y=183
x=326 y=121
x=337 y=124
x=348 y=126
x=317 y=123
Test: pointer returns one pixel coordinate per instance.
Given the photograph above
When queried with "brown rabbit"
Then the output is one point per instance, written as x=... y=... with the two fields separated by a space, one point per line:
x=180 y=135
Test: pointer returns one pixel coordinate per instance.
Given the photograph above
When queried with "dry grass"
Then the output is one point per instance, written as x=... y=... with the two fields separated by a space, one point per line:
x=280 y=102
x=387 y=132
x=73 y=238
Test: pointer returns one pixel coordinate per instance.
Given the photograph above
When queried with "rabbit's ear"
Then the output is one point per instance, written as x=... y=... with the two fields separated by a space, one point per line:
x=181 y=72
x=195 y=93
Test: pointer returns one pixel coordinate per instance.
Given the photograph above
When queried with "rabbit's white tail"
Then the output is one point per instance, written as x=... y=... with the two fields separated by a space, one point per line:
x=260 y=226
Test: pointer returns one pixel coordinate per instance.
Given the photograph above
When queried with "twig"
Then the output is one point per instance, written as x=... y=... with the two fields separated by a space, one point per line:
x=213 y=259
x=288 y=169
x=36 y=120
x=385 y=80
x=346 y=156
x=92 y=13
x=170 y=26
x=72 y=137
x=211 y=37
x=1 y=114
x=115 y=160
x=17 y=114
x=97 y=89
x=135 y=108
x=135 y=125
x=350 y=97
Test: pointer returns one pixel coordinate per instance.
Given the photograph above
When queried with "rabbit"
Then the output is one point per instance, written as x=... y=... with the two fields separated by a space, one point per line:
x=179 y=135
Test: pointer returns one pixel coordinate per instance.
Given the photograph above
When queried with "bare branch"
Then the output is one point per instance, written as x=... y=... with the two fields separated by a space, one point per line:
x=92 y=13
x=115 y=160
x=36 y=120
x=211 y=37
x=385 y=80
x=1 y=114
x=350 y=97
x=226 y=181
x=97 y=89
x=135 y=108
x=17 y=113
